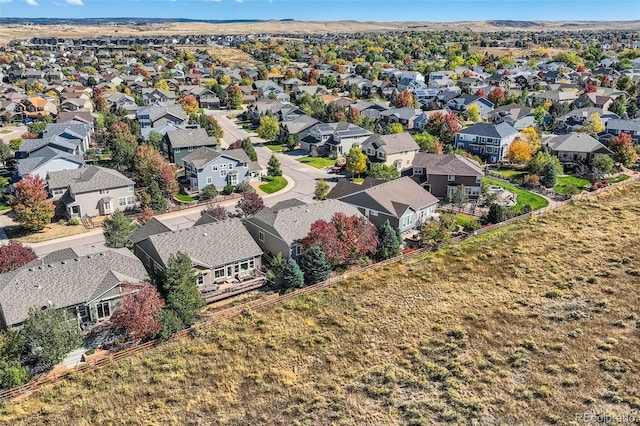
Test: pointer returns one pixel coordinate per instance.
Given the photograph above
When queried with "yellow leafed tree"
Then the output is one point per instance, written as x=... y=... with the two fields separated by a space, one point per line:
x=519 y=152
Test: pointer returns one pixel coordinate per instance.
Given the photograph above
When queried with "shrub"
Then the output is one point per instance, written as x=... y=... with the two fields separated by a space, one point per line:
x=74 y=221
x=531 y=181
x=243 y=187
x=209 y=192
x=471 y=225
x=228 y=189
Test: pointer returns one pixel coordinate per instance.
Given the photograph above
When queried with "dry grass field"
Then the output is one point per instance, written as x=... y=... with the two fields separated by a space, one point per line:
x=10 y=32
x=531 y=324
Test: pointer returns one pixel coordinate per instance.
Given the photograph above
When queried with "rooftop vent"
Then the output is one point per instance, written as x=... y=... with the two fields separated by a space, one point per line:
x=204 y=234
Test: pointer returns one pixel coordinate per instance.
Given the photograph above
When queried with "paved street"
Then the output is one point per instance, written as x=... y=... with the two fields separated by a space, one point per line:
x=302 y=180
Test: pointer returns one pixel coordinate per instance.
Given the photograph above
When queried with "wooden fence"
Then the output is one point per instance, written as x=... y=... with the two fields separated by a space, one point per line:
x=268 y=301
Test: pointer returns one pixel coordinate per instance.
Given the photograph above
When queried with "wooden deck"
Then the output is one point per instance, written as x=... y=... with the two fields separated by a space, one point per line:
x=225 y=290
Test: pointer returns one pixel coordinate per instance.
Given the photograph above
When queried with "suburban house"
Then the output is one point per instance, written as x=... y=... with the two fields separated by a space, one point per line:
x=404 y=116
x=45 y=160
x=90 y=287
x=518 y=116
x=38 y=107
x=299 y=127
x=421 y=121
x=180 y=143
x=206 y=166
x=159 y=116
x=574 y=148
x=226 y=260
x=462 y=103
x=395 y=150
x=333 y=138
x=488 y=141
x=281 y=228
x=617 y=126
x=155 y=96
x=91 y=191
x=403 y=202
x=441 y=174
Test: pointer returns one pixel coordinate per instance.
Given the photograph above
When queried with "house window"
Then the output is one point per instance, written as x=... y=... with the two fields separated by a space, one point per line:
x=190 y=149
x=381 y=155
x=103 y=310
x=373 y=212
x=131 y=201
x=130 y=188
x=219 y=273
x=122 y=201
x=406 y=221
x=261 y=236
x=451 y=178
x=214 y=168
x=478 y=179
x=230 y=166
x=176 y=150
x=223 y=173
x=103 y=191
x=200 y=279
x=417 y=170
x=57 y=192
x=223 y=166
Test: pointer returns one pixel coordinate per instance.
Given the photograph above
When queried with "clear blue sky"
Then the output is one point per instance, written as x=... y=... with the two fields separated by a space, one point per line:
x=360 y=10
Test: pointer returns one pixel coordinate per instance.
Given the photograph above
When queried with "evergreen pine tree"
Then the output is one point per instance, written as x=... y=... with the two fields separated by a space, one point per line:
x=292 y=276
x=178 y=286
x=388 y=242
x=273 y=167
x=549 y=176
x=314 y=265
x=117 y=229
x=158 y=201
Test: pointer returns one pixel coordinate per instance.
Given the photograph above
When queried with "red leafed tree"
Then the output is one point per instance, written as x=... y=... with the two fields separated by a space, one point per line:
x=148 y=163
x=14 y=255
x=590 y=88
x=250 y=204
x=313 y=77
x=236 y=145
x=623 y=149
x=29 y=203
x=139 y=313
x=506 y=72
x=480 y=93
x=581 y=68
x=496 y=96
x=28 y=135
x=404 y=99
x=167 y=180
x=344 y=240
x=99 y=100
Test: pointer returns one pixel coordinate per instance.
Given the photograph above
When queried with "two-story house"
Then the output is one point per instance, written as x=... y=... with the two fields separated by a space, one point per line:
x=488 y=141
x=615 y=127
x=225 y=258
x=206 y=166
x=397 y=150
x=155 y=96
x=159 y=116
x=461 y=104
x=91 y=191
x=334 y=138
x=403 y=202
x=441 y=174
x=180 y=143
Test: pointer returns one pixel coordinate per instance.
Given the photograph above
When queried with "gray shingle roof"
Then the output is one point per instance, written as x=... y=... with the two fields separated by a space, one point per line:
x=624 y=125
x=190 y=137
x=488 y=130
x=447 y=164
x=88 y=179
x=210 y=244
x=201 y=156
x=43 y=156
x=152 y=227
x=576 y=142
x=293 y=223
x=393 y=197
x=391 y=144
x=65 y=283
x=156 y=112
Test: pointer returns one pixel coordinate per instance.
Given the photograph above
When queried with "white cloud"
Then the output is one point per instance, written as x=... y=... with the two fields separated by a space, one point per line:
x=239 y=1
x=31 y=2
x=75 y=2
x=5 y=1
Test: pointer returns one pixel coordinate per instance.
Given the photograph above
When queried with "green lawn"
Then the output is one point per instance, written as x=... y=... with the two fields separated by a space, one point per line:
x=186 y=198
x=357 y=180
x=563 y=181
x=317 y=162
x=506 y=172
x=275 y=147
x=463 y=219
x=275 y=185
x=5 y=131
x=523 y=196
x=619 y=178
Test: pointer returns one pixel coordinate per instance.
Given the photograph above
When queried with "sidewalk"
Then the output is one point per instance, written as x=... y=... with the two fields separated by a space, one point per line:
x=184 y=212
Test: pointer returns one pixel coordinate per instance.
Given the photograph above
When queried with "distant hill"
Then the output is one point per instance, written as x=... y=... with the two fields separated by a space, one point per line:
x=120 y=21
